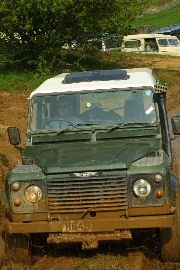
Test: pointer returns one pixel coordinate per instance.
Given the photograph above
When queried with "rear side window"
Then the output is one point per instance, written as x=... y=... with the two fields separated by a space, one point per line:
x=132 y=44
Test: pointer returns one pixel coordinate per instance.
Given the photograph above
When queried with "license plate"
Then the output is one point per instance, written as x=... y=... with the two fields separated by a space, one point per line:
x=73 y=226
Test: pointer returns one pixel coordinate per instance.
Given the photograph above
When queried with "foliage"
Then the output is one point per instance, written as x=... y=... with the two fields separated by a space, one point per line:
x=33 y=32
x=160 y=19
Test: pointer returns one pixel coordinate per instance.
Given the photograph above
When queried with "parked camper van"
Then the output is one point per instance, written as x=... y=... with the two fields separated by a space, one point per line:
x=152 y=43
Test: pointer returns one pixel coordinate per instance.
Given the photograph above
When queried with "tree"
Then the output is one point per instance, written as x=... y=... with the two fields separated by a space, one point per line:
x=33 y=30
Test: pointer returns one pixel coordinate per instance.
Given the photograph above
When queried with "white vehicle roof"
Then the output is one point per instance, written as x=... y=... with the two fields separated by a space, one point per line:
x=142 y=36
x=138 y=77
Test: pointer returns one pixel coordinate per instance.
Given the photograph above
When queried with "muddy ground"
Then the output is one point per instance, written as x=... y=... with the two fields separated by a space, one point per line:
x=136 y=256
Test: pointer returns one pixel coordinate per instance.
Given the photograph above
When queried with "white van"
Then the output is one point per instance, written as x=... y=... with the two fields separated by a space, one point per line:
x=152 y=43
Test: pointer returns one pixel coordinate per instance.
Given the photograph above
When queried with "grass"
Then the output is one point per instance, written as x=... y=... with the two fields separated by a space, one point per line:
x=26 y=81
x=161 y=75
x=14 y=82
x=160 y=19
x=160 y=3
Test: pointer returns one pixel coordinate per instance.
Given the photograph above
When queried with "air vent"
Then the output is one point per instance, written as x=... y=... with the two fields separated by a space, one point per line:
x=98 y=75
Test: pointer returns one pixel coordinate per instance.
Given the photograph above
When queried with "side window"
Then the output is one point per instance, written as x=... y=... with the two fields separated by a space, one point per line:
x=173 y=42
x=163 y=42
x=42 y=110
x=132 y=44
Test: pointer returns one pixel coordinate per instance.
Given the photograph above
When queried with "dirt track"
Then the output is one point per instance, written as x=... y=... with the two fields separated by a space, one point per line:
x=13 y=112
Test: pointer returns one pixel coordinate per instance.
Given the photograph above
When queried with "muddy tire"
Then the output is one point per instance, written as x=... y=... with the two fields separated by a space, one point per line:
x=18 y=248
x=170 y=238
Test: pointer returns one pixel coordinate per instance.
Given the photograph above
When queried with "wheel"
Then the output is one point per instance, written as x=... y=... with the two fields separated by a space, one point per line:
x=170 y=237
x=18 y=248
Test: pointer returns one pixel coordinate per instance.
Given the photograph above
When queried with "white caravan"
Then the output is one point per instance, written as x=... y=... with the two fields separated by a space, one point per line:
x=151 y=43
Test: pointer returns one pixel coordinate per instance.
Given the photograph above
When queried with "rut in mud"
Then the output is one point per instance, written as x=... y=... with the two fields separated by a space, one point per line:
x=136 y=255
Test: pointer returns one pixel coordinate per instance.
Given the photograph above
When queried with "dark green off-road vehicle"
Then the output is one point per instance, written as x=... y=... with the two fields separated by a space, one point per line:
x=97 y=164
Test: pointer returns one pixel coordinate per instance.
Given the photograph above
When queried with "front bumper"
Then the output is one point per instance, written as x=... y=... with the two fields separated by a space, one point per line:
x=92 y=225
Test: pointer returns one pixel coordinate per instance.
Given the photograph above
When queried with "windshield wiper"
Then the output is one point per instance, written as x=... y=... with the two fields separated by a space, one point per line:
x=128 y=124
x=69 y=127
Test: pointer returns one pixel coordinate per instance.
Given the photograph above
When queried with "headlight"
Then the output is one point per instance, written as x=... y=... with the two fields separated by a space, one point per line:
x=33 y=194
x=142 y=188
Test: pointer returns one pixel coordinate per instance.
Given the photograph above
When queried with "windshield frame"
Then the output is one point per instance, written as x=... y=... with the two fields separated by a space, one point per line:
x=86 y=128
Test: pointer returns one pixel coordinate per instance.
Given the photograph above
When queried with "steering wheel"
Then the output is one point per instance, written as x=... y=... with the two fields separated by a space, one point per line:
x=100 y=115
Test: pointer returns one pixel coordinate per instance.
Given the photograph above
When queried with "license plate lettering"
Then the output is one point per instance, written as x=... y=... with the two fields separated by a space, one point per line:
x=72 y=227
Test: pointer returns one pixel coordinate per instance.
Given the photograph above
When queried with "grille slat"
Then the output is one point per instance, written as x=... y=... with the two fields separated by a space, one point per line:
x=94 y=183
x=83 y=196
x=107 y=191
x=70 y=200
x=80 y=194
x=86 y=206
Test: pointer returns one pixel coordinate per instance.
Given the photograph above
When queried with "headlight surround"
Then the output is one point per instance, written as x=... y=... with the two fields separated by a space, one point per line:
x=142 y=188
x=33 y=194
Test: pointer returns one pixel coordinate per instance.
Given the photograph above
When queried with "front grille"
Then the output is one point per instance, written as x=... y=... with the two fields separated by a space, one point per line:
x=79 y=194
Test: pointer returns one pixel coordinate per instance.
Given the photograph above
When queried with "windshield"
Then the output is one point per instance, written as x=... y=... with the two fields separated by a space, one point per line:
x=105 y=108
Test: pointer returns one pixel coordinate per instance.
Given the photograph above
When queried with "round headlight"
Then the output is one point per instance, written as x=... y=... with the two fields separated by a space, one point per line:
x=33 y=194
x=158 y=178
x=142 y=188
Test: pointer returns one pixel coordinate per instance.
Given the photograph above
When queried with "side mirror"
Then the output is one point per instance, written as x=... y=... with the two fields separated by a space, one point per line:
x=175 y=122
x=14 y=135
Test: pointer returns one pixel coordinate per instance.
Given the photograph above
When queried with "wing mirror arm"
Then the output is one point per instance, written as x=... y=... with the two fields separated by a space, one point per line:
x=21 y=149
x=15 y=139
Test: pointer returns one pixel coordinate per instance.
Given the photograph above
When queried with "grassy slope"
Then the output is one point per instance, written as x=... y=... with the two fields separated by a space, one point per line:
x=160 y=3
x=26 y=82
x=161 y=19
x=14 y=82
